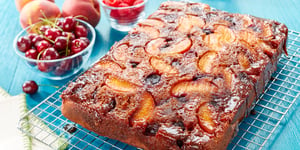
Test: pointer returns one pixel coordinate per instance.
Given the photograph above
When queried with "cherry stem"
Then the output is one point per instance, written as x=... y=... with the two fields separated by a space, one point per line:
x=49 y=39
x=52 y=23
x=67 y=47
x=54 y=86
x=39 y=55
x=45 y=17
x=59 y=28
x=61 y=52
x=76 y=17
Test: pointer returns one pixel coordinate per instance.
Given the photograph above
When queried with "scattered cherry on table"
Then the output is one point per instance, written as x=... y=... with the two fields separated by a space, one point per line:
x=30 y=87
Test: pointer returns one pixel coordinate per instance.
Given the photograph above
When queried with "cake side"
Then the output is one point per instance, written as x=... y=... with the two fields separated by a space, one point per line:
x=182 y=79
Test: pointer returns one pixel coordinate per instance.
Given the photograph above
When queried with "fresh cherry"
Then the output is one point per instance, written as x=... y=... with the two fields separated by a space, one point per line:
x=113 y=3
x=124 y=12
x=50 y=54
x=78 y=45
x=32 y=36
x=52 y=43
x=44 y=28
x=63 y=67
x=81 y=31
x=45 y=67
x=114 y=14
x=61 y=43
x=37 y=39
x=69 y=35
x=69 y=24
x=85 y=39
x=52 y=33
x=129 y=2
x=59 y=23
x=77 y=61
x=136 y=2
x=138 y=10
x=42 y=45
x=30 y=87
x=123 y=4
x=24 y=43
x=32 y=54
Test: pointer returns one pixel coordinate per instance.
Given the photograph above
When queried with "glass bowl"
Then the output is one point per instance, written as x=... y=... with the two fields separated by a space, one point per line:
x=62 y=68
x=124 y=18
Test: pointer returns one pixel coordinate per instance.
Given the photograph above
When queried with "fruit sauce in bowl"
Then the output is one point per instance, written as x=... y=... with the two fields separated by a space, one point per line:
x=56 y=49
x=123 y=15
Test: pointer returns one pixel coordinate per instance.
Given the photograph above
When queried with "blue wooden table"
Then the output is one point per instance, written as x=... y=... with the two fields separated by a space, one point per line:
x=14 y=72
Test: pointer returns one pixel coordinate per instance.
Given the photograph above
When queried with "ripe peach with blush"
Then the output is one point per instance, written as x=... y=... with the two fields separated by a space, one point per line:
x=35 y=10
x=88 y=10
x=21 y=3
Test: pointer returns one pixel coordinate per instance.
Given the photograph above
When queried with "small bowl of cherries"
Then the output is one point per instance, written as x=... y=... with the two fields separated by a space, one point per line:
x=56 y=49
x=123 y=15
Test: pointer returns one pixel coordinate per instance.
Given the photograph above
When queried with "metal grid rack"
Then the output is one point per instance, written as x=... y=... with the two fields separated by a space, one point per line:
x=255 y=132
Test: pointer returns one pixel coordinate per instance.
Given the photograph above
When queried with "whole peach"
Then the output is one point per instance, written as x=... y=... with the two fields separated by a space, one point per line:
x=37 y=9
x=21 y=3
x=88 y=10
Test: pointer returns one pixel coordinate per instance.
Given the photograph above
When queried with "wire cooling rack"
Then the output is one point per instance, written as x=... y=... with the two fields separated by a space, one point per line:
x=255 y=132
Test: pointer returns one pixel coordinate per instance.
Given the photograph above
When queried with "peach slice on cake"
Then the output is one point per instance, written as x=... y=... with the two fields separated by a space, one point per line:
x=267 y=49
x=267 y=30
x=248 y=36
x=152 y=32
x=188 y=22
x=200 y=86
x=226 y=35
x=173 y=5
x=222 y=35
x=247 y=21
x=243 y=60
x=153 y=47
x=120 y=52
x=107 y=65
x=206 y=118
x=162 y=66
x=120 y=85
x=162 y=46
x=180 y=46
x=249 y=47
x=228 y=77
x=206 y=62
x=202 y=6
x=153 y=23
x=144 y=111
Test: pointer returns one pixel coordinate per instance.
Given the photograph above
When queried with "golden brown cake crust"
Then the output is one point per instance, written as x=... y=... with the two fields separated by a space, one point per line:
x=182 y=79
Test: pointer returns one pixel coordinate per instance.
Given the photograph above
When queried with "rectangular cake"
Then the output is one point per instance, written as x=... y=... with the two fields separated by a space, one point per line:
x=182 y=79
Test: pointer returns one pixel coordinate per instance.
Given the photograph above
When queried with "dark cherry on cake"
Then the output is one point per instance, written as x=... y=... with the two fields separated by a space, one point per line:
x=183 y=78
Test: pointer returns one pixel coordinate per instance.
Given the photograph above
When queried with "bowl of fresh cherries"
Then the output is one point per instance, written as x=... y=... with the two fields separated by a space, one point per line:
x=56 y=48
x=124 y=14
